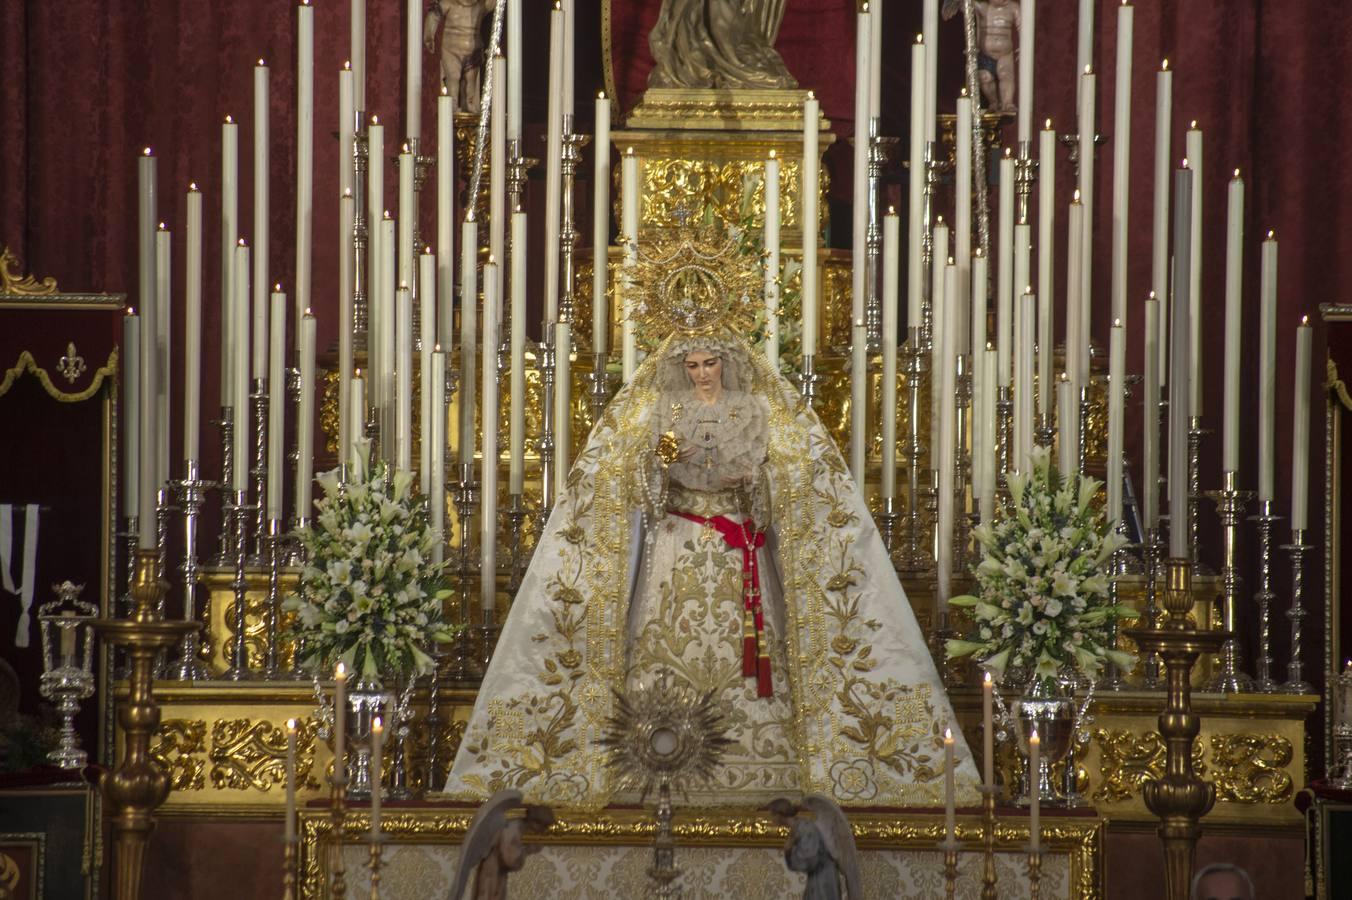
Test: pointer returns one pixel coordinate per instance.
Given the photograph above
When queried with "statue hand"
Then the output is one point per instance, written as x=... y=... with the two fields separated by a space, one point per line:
x=430 y=25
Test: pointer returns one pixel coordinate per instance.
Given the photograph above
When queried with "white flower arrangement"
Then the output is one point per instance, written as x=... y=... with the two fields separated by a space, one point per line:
x=370 y=594
x=1043 y=603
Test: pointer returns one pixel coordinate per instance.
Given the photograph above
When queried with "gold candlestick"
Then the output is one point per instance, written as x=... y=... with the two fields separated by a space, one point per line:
x=374 y=864
x=1034 y=874
x=951 y=849
x=289 y=870
x=988 y=876
x=138 y=786
x=1180 y=798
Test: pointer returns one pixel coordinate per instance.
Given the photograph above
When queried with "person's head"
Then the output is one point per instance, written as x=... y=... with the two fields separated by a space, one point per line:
x=705 y=370
x=1222 y=881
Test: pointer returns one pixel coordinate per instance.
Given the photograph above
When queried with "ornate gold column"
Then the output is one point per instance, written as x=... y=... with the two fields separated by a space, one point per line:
x=137 y=787
x=1180 y=798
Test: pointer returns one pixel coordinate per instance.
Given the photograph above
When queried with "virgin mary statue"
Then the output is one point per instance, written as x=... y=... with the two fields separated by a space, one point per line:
x=710 y=532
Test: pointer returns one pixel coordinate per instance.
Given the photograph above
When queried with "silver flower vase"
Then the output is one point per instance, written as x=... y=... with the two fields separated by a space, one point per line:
x=366 y=699
x=1047 y=706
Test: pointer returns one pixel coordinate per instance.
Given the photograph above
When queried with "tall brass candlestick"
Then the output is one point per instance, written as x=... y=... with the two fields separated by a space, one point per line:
x=1180 y=798
x=1230 y=503
x=139 y=784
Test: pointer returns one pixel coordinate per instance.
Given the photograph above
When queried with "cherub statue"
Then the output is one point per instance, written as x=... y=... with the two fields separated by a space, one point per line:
x=493 y=848
x=997 y=22
x=462 y=54
x=820 y=844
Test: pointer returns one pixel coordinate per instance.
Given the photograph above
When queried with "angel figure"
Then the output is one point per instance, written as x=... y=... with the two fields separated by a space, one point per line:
x=462 y=52
x=997 y=23
x=820 y=844
x=493 y=847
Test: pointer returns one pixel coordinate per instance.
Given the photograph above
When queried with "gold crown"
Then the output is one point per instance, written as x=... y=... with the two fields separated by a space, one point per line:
x=695 y=280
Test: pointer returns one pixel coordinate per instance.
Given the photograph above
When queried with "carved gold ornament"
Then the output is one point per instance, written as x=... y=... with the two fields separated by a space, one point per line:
x=12 y=281
x=694 y=281
x=251 y=755
x=1128 y=760
x=180 y=747
x=1251 y=768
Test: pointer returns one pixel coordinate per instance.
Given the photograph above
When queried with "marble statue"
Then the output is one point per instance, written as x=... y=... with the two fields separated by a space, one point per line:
x=997 y=24
x=462 y=52
x=718 y=44
x=820 y=845
x=493 y=847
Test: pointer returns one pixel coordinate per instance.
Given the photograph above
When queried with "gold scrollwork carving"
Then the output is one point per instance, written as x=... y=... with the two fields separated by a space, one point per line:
x=251 y=755
x=13 y=281
x=1251 y=768
x=677 y=188
x=180 y=747
x=1127 y=760
x=1337 y=385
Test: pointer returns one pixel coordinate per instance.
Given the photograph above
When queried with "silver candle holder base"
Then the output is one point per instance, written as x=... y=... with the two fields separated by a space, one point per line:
x=1295 y=671
x=1265 y=521
x=191 y=491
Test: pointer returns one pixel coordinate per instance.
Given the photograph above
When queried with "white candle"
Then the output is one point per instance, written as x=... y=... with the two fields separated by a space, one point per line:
x=445 y=220
x=1180 y=367
x=192 y=327
x=1004 y=272
x=859 y=209
x=771 y=251
x=1300 y=431
x=375 y=198
x=229 y=235
x=1024 y=325
x=1023 y=263
x=950 y=764
x=305 y=138
x=978 y=343
x=357 y=414
x=810 y=190
x=1267 y=366
x=1046 y=271
x=915 y=212
x=516 y=437
x=1088 y=83
x=1034 y=765
x=469 y=304
x=131 y=413
x=629 y=226
x=875 y=58
x=163 y=348
x=1159 y=260
x=1045 y=351
x=149 y=375
x=553 y=163
x=261 y=163
x=437 y=495
x=403 y=369
x=305 y=418
x=240 y=367
x=987 y=732
x=386 y=315
x=497 y=176
x=276 y=401
x=357 y=51
x=376 y=774
x=962 y=221
x=891 y=298
x=1234 y=311
x=946 y=379
x=1084 y=44
x=515 y=54
x=413 y=51
x=1121 y=159
x=408 y=213
x=929 y=25
x=1077 y=341
x=427 y=287
x=1117 y=376
x=346 y=124
x=340 y=723
x=859 y=385
x=346 y=210
x=289 y=828
x=1067 y=427
x=1027 y=35
x=1150 y=439
x=600 y=235
x=1194 y=150
x=985 y=488
x=938 y=323
x=569 y=42
x=488 y=516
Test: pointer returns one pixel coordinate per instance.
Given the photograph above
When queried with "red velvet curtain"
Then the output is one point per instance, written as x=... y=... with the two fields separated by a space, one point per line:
x=86 y=85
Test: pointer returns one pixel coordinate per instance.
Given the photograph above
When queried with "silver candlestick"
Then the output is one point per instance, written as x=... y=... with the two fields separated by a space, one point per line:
x=272 y=611
x=1004 y=424
x=192 y=496
x=1295 y=669
x=1230 y=503
x=1153 y=551
x=516 y=514
x=915 y=557
x=259 y=397
x=239 y=665
x=466 y=498
x=1082 y=450
x=878 y=151
x=1195 y=434
x=227 y=540
x=68 y=667
x=962 y=468
x=361 y=151
x=1112 y=679
x=546 y=363
x=1263 y=681
x=807 y=379
x=1045 y=432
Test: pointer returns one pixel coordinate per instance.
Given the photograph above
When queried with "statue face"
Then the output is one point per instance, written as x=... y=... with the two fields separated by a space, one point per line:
x=705 y=370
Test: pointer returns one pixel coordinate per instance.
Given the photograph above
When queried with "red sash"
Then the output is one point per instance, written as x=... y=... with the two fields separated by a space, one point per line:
x=744 y=536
